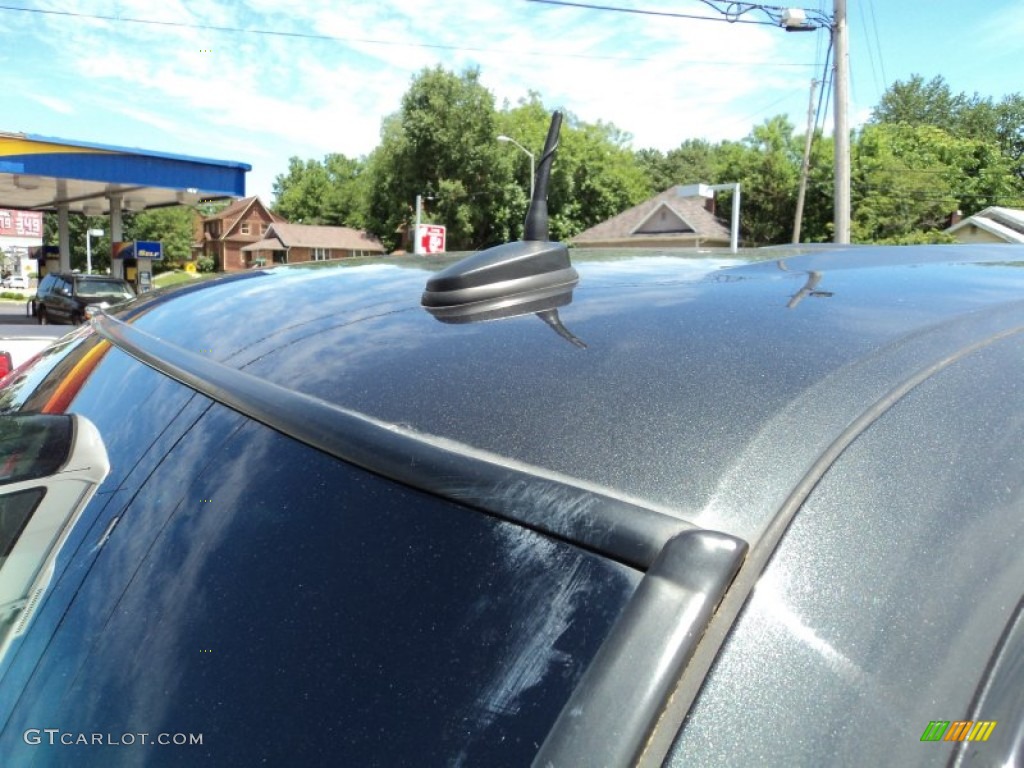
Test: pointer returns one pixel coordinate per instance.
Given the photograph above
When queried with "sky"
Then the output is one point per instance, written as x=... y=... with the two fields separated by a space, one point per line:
x=261 y=81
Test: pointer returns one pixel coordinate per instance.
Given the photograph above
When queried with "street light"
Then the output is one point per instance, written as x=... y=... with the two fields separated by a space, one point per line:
x=89 y=235
x=806 y=20
x=510 y=140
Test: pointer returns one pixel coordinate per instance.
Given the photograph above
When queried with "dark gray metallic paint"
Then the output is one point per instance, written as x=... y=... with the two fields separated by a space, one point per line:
x=782 y=403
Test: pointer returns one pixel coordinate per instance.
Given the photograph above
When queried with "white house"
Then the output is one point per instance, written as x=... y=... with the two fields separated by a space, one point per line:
x=992 y=225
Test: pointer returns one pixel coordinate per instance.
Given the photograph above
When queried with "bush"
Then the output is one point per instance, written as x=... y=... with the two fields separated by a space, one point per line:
x=159 y=267
x=205 y=264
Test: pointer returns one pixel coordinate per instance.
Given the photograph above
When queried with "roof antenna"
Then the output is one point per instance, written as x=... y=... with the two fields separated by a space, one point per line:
x=536 y=225
x=518 y=273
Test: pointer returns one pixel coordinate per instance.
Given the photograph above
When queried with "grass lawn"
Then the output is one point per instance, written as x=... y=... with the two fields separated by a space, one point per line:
x=178 y=277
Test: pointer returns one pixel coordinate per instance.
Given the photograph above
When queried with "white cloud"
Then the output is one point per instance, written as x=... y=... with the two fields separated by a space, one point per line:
x=262 y=98
x=56 y=105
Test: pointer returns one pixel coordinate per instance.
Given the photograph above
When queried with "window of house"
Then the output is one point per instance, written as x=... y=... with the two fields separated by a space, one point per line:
x=245 y=228
x=321 y=254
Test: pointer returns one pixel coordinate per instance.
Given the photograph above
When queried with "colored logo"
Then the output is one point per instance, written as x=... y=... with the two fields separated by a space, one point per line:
x=959 y=730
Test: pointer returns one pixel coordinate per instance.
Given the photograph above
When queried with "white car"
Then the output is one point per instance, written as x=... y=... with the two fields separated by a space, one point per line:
x=16 y=281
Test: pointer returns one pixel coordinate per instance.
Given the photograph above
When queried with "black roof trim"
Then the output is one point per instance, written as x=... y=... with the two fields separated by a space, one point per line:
x=586 y=516
x=613 y=710
x=688 y=570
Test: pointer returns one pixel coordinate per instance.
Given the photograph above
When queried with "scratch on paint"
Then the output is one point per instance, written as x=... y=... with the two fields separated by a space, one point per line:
x=544 y=610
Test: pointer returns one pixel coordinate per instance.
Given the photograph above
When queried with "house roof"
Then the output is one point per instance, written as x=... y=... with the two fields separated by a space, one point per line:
x=1004 y=223
x=270 y=244
x=281 y=235
x=237 y=210
x=675 y=213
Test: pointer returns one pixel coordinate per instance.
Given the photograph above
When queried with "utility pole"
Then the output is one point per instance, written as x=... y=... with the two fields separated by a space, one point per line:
x=840 y=37
x=805 y=168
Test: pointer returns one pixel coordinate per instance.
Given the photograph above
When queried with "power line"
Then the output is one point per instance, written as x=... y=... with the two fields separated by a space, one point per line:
x=640 y=12
x=311 y=35
x=373 y=41
x=826 y=89
x=871 y=53
x=878 y=43
x=731 y=10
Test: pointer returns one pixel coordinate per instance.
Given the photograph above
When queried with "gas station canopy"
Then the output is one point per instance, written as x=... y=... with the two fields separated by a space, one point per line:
x=46 y=174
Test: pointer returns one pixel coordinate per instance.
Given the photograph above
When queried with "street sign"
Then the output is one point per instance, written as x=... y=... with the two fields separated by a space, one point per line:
x=430 y=238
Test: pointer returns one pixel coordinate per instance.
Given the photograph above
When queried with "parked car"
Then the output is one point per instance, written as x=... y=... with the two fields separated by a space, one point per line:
x=71 y=297
x=16 y=281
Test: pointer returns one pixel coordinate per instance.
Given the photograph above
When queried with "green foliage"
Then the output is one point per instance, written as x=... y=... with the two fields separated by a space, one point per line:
x=331 y=192
x=767 y=166
x=926 y=152
x=692 y=162
x=596 y=176
x=997 y=129
x=77 y=227
x=443 y=145
x=440 y=145
x=171 y=226
x=918 y=237
x=916 y=102
x=205 y=264
x=910 y=178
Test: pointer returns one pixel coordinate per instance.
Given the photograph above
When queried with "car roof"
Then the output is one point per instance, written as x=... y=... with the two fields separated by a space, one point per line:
x=654 y=353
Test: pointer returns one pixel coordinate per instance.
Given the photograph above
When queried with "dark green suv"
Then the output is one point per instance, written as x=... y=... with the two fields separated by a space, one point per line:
x=71 y=298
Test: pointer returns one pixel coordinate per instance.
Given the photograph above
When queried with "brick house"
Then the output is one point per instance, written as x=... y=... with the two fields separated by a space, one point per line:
x=223 y=235
x=285 y=243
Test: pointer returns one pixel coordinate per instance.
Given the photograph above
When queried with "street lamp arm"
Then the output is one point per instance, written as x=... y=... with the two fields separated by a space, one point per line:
x=510 y=140
x=529 y=154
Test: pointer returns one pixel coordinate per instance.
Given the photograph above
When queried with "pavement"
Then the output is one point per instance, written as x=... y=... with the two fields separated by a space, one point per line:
x=16 y=313
x=21 y=335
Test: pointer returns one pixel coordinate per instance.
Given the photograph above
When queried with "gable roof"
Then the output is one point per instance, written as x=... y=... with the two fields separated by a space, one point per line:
x=1005 y=223
x=235 y=209
x=674 y=214
x=316 y=236
x=663 y=219
x=238 y=211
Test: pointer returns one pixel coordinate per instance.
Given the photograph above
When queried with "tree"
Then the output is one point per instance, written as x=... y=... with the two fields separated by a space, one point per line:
x=692 y=162
x=171 y=226
x=900 y=181
x=916 y=102
x=911 y=178
x=329 y=192
x=818 y=223
x=299 y=194
x=1009 y=115
x=441 y=144
x=767 y=165
x=77 y=227
x=975 y=117
x=596 y=176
